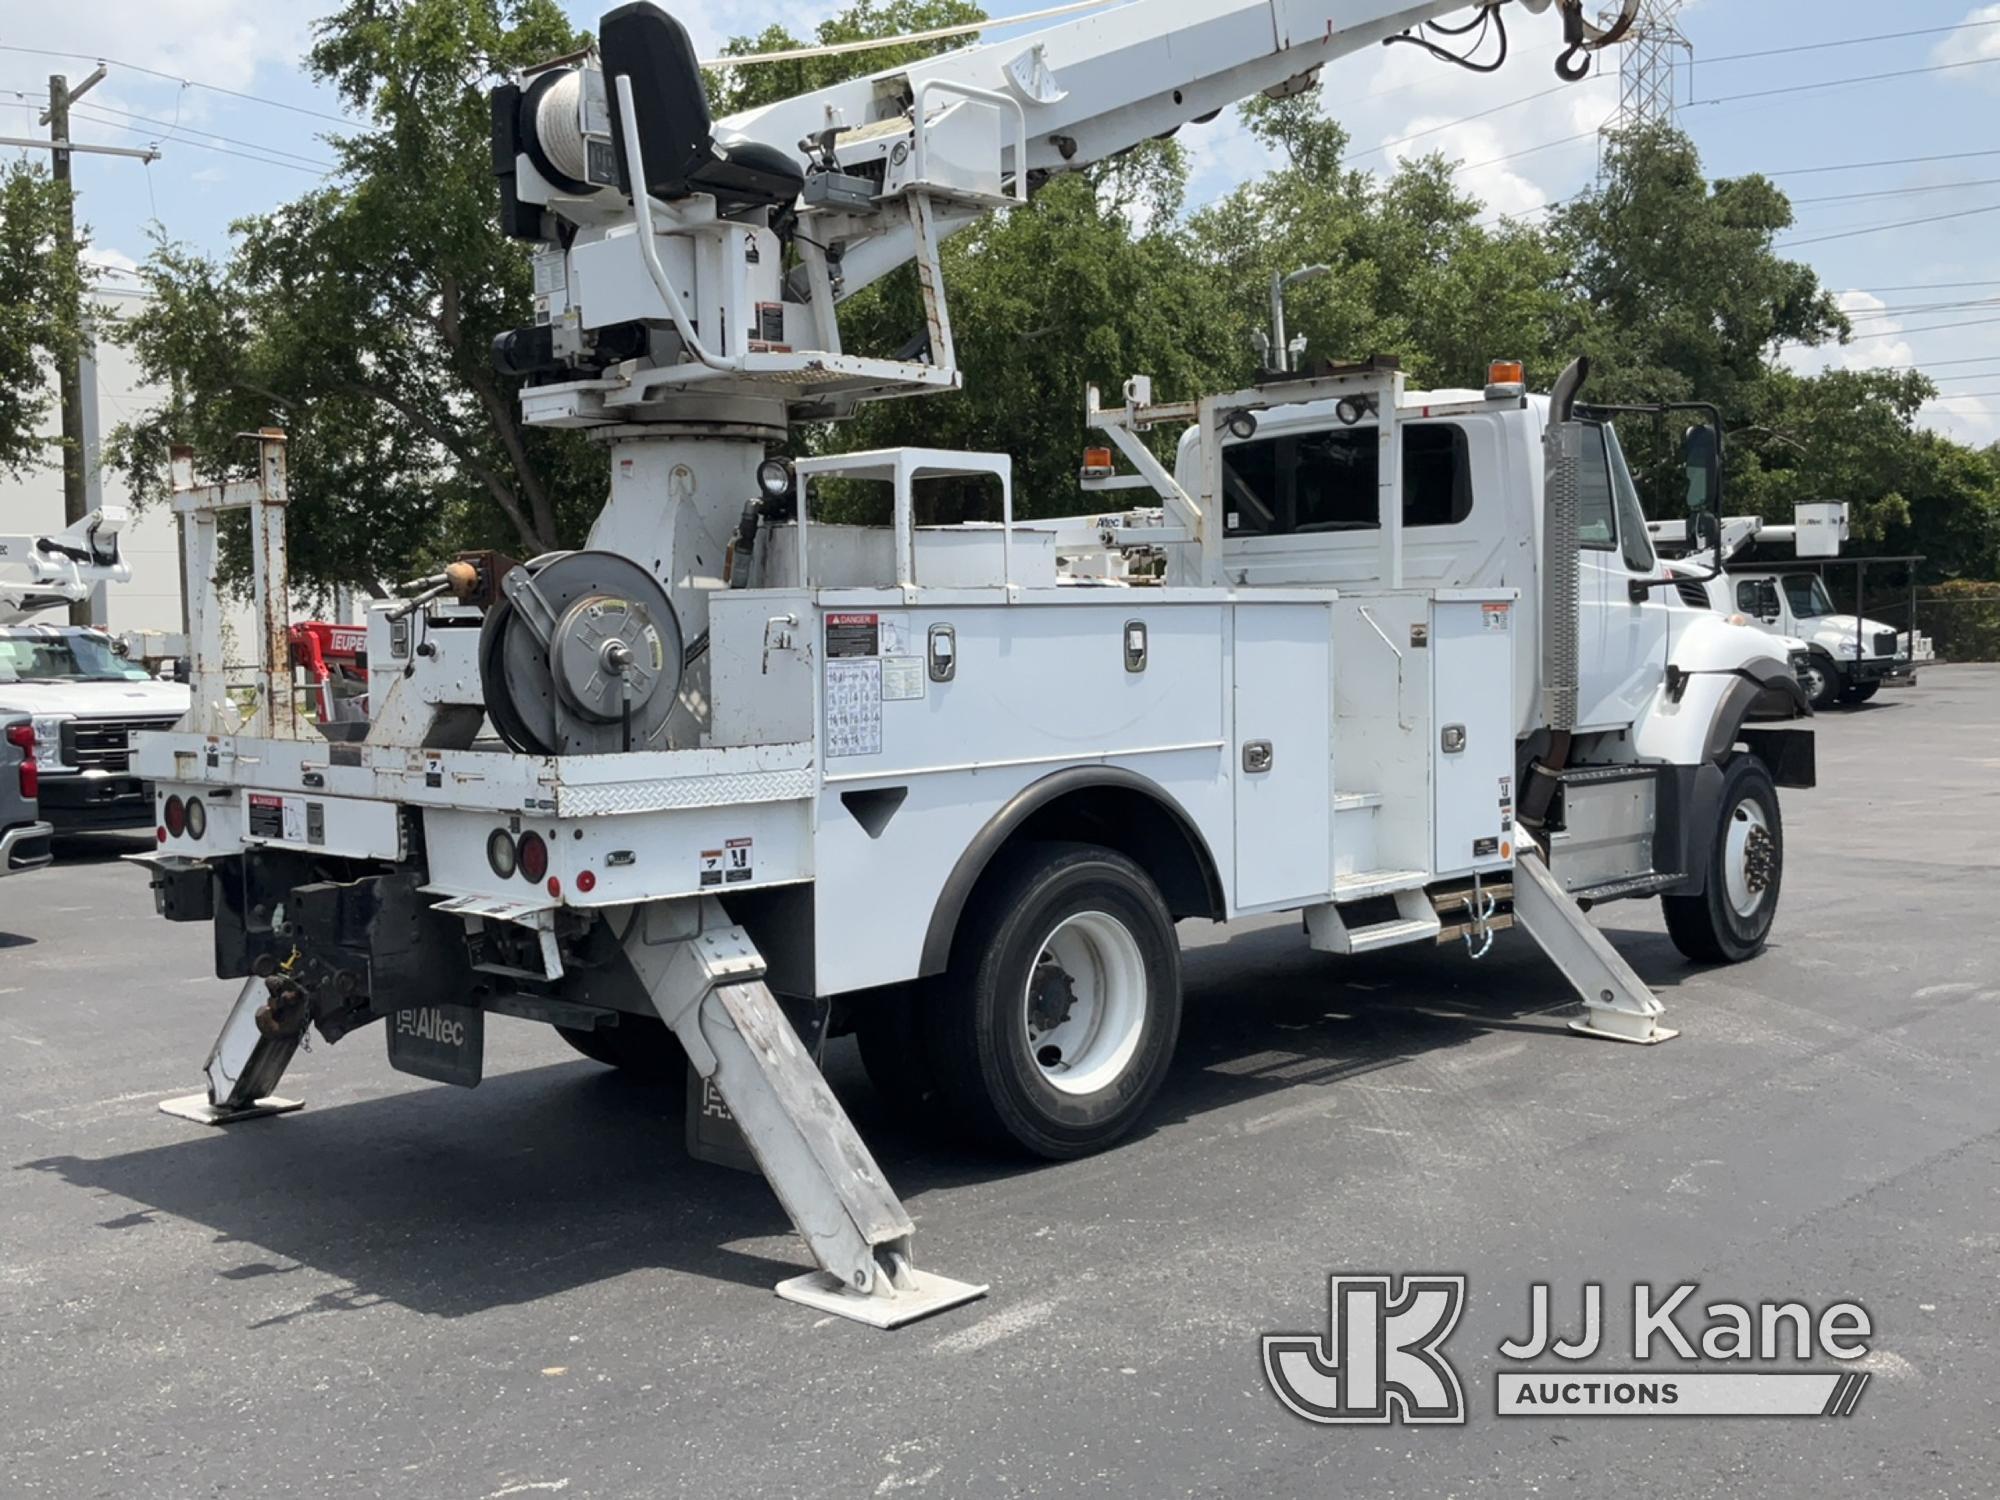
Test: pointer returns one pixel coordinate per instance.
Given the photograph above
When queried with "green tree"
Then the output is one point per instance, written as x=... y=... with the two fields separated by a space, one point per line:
x=40 y=288
x=733 y=89
x=1675 y=289
x=360 y=317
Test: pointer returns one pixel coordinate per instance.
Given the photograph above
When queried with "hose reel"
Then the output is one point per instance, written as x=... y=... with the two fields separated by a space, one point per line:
x=582 y=655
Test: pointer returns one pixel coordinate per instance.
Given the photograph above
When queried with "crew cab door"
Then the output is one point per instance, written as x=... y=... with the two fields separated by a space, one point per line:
x=1622 y=644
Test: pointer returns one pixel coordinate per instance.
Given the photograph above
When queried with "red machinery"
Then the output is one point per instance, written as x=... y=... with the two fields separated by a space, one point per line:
x=334 y=656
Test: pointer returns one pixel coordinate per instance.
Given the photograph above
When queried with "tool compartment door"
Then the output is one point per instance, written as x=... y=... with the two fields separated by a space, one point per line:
x=1283 y=700
x=1472 y=685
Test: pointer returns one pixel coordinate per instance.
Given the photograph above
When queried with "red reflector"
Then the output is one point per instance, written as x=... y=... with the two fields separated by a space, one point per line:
x=22 y=735
x=162 y=834
x=586 y=881
x=534 y=858
x=555 y=886
x=176 y=817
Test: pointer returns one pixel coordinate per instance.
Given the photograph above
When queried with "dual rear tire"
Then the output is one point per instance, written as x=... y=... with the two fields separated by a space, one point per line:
x=1055 y=1024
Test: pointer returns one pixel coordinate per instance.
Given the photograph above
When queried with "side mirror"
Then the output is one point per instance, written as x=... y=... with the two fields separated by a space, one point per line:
x=1768 y=607
x=1701 y=457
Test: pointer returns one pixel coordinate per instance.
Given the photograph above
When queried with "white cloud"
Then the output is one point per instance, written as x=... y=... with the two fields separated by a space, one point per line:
x=1879 y=344
x=1980 y=45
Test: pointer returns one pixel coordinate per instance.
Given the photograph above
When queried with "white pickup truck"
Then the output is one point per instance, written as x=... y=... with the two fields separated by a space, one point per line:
x=85 y=701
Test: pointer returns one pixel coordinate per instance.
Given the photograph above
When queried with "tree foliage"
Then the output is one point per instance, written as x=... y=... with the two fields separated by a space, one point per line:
x=40 y=284
x=361 y=316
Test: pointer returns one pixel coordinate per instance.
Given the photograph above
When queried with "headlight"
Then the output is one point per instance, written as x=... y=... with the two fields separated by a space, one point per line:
x=48 y=740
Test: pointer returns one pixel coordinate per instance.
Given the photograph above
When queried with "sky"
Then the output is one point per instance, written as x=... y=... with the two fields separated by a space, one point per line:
x=1923 y=294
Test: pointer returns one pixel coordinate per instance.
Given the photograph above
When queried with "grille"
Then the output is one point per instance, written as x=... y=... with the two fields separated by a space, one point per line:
x=1693 y=595
x=105 y=744
x=1886 y=642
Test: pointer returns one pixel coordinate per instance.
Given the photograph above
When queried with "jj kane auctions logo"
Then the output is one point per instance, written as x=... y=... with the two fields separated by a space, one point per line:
x=1382 y=1357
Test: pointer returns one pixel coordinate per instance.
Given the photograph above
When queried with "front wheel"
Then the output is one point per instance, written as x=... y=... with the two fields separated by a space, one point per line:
x=1731 y=920
x=1057 y=1020
x=1861 y=692
x=1821 y=682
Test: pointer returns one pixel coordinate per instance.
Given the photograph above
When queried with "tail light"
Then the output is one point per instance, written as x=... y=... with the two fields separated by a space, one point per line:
x=534 y=858
x=197 y=818
x=22 y=736
x=175 y=817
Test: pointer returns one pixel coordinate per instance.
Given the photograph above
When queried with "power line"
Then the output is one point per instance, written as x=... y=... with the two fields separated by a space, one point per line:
x=1963 y=396
x=1900 y=332
x=1903 y=192
x=1834 y=83
x=1899 y=161
x=1927 y=286
x=193 y=83
x=269 y=155
x=1852 y=41
x=1848 y=234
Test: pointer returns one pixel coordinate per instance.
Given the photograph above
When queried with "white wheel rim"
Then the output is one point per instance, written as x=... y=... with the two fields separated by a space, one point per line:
x=1083 y=1008
x=1815 y=682
x=1749 y=858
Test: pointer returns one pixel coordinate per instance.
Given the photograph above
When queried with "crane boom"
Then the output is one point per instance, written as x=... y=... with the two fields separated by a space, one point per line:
x=41 y=572
x=667 y=233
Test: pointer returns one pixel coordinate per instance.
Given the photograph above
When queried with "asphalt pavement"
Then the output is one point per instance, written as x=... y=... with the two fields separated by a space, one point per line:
x=526 y=1289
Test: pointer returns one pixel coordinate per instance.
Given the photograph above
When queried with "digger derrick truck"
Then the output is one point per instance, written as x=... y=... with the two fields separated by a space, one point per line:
x=731 y=778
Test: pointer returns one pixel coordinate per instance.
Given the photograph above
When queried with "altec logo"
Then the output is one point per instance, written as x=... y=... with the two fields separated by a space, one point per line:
x=1380 y=1359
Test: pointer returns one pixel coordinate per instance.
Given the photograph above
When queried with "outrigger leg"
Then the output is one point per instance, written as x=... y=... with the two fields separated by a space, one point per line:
x=1618 y=1006
x=706 y=979
x=250 y=1055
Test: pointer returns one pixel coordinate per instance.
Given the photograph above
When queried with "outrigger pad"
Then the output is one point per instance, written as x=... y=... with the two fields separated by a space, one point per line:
x=891 y=1307
x=198 y=1108
x=1604 y=1024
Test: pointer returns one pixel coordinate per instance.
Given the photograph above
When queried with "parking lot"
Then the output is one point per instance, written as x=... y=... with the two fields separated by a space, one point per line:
x=526 y=1289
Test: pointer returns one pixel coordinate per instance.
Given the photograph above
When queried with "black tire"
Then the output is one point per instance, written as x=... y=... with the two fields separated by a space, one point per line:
x=1824 y=690
x=888 y=1031
x=638 y=1046
x=1710 y=928
x=976 y=1023
x=1860 y=692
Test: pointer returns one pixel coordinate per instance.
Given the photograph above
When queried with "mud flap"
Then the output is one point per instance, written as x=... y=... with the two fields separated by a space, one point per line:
x=444 y=1043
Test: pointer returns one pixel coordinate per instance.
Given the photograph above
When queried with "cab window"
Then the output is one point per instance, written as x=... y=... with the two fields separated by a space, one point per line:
x=1596 y=528
x=1636 y=546
x=1308 y=482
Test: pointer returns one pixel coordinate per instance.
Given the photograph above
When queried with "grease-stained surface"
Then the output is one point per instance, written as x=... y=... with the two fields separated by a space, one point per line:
x=527 y=1290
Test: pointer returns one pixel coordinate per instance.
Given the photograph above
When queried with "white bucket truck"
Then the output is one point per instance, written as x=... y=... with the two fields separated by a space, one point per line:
x=729 y=779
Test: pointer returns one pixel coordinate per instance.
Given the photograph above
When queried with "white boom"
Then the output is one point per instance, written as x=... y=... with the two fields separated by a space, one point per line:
x=42 y=571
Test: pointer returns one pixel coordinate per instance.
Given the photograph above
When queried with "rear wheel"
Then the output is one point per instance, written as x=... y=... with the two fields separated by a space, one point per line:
x=1056 y=1023
x=1731 y=920
x=888 y=1029
x=638 y=1045
x=1861 y=692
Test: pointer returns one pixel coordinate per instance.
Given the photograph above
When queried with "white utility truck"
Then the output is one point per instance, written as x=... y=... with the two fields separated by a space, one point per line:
x=1846 y=659
x=729 y=779
x=83 y=697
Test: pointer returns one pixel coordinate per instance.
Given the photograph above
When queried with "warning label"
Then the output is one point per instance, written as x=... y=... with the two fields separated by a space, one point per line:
x=1496 y=617
x=733 y=864
x=267 y=816
x=902 y=678
x=853 y=635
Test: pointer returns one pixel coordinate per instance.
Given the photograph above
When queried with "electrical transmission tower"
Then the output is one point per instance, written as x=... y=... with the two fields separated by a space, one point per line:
x=1652 y=51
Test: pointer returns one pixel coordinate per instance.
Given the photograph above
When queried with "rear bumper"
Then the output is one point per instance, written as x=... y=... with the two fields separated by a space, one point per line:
x=25 y=847
x=96 y=800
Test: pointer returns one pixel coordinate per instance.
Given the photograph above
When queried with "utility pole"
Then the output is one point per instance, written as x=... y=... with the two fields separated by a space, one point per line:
x=76 y=441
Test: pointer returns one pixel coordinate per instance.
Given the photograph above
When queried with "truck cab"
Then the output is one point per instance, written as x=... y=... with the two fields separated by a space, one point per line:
x=1850 y=657
x=84 y=701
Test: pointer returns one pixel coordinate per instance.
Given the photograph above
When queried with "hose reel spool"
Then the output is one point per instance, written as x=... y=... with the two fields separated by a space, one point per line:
x=582 y=656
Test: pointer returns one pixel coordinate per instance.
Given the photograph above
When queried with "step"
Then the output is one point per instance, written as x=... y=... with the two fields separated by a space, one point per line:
x=1361 y=884
x=1390 y=935
x=1355 y=801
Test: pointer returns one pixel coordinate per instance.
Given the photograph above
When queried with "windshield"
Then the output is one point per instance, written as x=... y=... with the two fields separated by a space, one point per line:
x=62 y=656
x=1806 y=593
